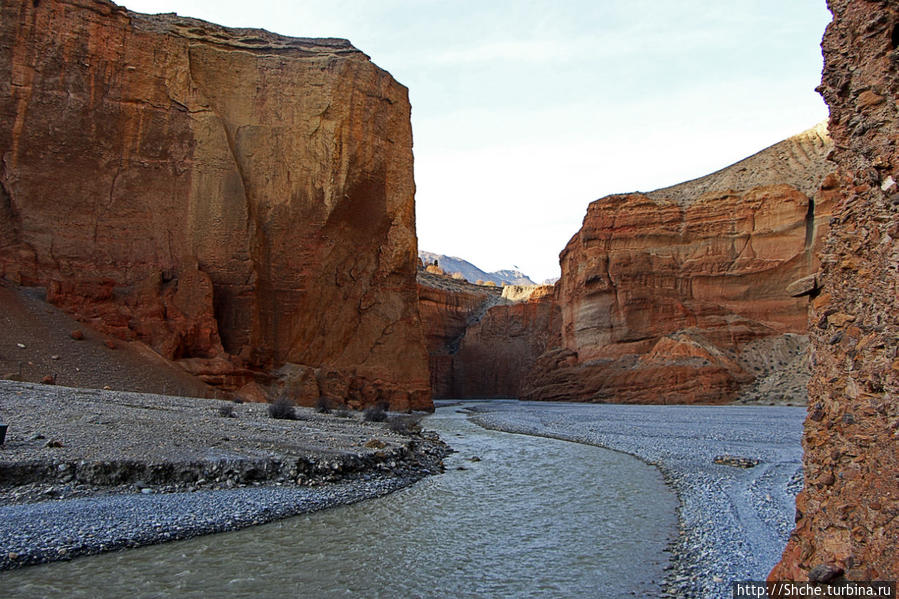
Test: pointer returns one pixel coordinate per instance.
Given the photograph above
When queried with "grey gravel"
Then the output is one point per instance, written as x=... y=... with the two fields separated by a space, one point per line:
x=85 y=471
x=53 y=530
x=734 y=521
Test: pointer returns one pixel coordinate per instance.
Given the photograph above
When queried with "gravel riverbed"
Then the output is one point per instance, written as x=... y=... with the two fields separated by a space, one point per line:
x=85 y=471
x=53 y=530
x=734 y=521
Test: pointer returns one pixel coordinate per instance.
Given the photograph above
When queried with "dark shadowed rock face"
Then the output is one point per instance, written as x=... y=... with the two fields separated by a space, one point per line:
x=661 y=293
x=233 y=198
x=847 y=521
x=498 y=352
x=447 y=307
x=483 y=341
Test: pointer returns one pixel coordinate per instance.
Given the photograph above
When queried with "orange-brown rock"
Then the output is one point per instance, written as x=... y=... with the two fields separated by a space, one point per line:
x=497 y=352
x=660 y=292
x=447 y=307
x=847 y=525
x=224 y=195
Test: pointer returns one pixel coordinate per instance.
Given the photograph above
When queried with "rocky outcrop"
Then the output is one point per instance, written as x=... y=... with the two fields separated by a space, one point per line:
x=497 y=353
x=847 y=522
x=483 y=340
x=234 y=198
x=447 y=307
x=660 y=292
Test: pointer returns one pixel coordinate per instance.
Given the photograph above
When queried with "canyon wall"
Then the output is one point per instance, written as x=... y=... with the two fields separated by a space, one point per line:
x=847 y=525
x=233 y=198
x=662 y=293
x=483 y=340
x=447 y=307
x=498 y=352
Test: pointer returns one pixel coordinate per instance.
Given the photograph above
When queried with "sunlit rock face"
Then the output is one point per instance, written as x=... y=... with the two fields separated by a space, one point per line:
x=234 y=198
x=847 y=523
x=662 y=293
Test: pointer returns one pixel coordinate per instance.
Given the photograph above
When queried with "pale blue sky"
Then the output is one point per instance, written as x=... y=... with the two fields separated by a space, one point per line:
x=524 y=112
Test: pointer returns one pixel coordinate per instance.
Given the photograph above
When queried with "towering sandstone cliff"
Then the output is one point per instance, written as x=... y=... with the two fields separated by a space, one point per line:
x=848 y=512
x=665 y=296
x=233 y=198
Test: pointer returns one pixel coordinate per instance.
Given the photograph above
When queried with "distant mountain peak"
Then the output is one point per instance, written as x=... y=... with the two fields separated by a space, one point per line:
x=453 y=264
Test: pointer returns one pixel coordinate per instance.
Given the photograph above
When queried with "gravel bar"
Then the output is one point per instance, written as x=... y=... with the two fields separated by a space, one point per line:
x=734 y=519
x=54 y=530
x=85 y=471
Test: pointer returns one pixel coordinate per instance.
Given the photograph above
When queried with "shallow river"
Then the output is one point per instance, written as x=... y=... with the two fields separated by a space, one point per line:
x=533 y=517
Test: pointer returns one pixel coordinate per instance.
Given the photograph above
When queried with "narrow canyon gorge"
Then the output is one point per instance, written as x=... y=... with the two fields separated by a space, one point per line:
x=243 y=204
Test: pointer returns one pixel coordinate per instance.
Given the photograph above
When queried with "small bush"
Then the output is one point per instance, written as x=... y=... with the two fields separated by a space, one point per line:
x=375 y=413
x=282 y=409
x=405 y=424
x=227 y=411
x=323 y=406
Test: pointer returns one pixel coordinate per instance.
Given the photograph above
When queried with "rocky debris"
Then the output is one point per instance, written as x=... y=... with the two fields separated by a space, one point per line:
x=780 y=367
x=45 y=329
x=735 y=461
x=64 y=529
x=846 y=511
x=234 y=205
x=661 y=292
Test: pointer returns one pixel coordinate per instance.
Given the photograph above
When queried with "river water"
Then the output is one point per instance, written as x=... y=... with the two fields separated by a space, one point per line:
x=513 y=516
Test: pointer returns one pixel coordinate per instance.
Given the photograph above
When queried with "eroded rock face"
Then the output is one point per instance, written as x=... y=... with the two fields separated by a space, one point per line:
x=660 y=292
x=847 y=523
x=498 y=352
x=483 y=341
x=447 y=307
x=233 y=198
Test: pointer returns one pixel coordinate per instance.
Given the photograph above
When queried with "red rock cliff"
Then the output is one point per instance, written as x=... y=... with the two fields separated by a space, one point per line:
x=661 y=292
x=447 y=307
x=498 y=352
x=847 y=524
x=483 y=341
x=231 y=197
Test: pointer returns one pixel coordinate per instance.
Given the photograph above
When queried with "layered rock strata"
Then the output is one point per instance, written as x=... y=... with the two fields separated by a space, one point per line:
x=847 y=525
x=661 y=292
x=483 y=340
x=233 y=198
